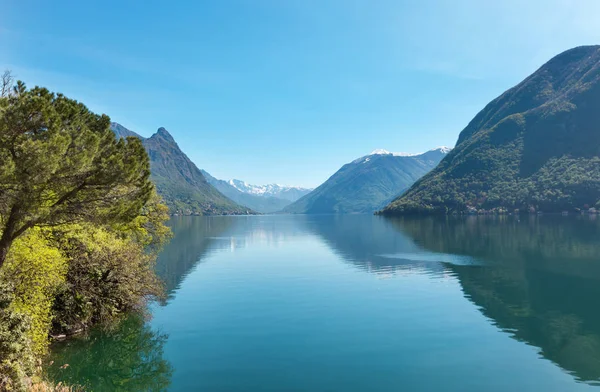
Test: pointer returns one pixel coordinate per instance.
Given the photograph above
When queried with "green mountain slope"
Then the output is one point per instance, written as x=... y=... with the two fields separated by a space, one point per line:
x=537 y=146
x=367 y=184
x=178 y=180
x=262 y=204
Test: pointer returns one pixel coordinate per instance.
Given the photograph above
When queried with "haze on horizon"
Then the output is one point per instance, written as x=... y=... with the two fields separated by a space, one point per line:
x=286 y=92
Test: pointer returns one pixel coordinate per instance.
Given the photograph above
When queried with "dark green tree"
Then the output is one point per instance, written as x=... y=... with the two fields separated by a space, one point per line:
x=60 y=163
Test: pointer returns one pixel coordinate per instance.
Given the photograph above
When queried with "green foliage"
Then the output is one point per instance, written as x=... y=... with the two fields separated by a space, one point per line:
x=37 y=270
x=80 y=224
x=17 y=360
x=536 y=147
x=108 y=276
x=71 y=277
x=148 y=229
x=74 y=276
x=60 y=163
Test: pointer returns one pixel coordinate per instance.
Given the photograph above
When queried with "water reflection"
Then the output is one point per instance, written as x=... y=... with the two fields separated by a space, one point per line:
x=193 y=238
x=372 y=244
x=129 y=358
x=273 y=231
x=540 y=280
x=535 y=278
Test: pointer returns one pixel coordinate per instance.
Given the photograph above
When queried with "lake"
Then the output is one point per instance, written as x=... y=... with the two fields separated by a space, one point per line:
x=360 y=303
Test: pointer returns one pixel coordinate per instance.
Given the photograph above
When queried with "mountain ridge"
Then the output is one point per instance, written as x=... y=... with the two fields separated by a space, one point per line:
x=123 y=132
x=258 y=202
x=291 y=193
x=368 y=183
x=535 y=147
x=178 y=180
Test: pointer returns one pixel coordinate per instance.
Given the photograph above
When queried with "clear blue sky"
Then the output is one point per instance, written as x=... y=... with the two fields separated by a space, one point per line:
x=287 y=91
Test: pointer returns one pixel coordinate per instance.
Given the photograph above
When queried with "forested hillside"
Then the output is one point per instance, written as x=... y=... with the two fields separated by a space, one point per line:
x=534 y=148
x=180 y=183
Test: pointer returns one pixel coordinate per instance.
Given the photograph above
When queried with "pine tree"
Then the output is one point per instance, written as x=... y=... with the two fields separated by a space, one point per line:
x=60 y=163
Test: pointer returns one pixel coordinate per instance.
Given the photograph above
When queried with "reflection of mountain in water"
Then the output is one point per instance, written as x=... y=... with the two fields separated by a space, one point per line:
x=540 y=281
x=192 y=238
x=195 y=236
x=537 y=278
x=372 y=244
x=273 y=230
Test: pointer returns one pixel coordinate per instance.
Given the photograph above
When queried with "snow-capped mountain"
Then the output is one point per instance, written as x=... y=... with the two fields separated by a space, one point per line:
x=440 y=150
x=290 y=193
x=381 y=151
x=368 y=183
x=260 y=198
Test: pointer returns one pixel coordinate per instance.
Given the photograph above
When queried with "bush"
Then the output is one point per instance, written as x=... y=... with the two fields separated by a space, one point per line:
x=36 y=270
x=17 y=359
x=108 y=276
x=80 y=224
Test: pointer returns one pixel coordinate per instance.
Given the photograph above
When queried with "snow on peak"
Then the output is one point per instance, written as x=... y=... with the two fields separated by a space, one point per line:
x=381 y=151
x=443 y=149
x=265 y=190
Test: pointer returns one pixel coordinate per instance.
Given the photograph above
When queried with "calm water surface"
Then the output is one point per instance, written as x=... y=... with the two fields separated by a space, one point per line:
x=361 y=303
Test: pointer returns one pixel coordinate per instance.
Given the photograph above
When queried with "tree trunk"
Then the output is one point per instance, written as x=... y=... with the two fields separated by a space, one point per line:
x=3 y=254
x=8 y=232
x=5 y=244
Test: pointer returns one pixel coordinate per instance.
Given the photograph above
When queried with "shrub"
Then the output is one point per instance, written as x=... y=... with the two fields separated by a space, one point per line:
x=108 y=276
x=36 y=270
x=17 y=360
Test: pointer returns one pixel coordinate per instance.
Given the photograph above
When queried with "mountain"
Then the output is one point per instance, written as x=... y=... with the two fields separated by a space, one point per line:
x=261 y=198
x=368 y=183
x=178 y=180
x=535 y=147
x=123 y=132
x=257 y=201
x=271 y=190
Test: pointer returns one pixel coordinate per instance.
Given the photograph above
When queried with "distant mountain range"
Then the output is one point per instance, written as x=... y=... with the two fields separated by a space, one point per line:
x=368 y=183
x=290 y=193
x=188 y=190
x=178 y=180
x=535 y=147
x=261 y=198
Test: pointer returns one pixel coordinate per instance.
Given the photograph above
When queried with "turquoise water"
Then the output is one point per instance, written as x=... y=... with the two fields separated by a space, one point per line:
x=361 y=303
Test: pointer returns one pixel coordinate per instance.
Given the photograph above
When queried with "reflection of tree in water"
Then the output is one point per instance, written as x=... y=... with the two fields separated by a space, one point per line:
x=192 y=238
x=540 y=281
x=128 y=358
